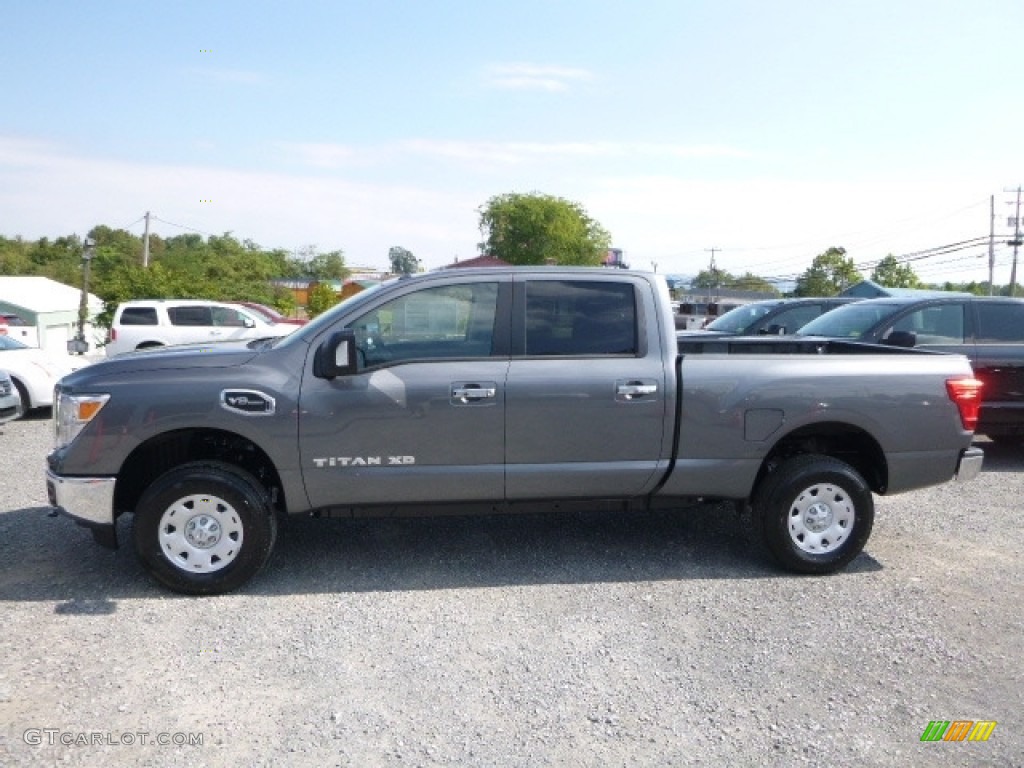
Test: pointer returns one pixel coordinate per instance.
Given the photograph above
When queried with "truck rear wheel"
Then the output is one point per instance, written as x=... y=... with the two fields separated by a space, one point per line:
x=204 y=528
x=816 y=513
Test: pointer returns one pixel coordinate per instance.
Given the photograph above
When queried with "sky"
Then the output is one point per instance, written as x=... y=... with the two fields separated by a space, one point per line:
x=767 y=131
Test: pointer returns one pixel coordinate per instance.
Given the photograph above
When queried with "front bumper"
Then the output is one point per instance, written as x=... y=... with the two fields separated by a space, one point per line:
x=969 y=465
x=89 y=500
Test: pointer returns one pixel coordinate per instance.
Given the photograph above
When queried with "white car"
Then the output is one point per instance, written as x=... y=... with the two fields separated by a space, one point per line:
x=10 y=401
x=33 y=372
x=165 y=322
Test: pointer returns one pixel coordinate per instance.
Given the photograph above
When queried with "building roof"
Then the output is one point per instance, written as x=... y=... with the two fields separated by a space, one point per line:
x=479 y=261
x=41 y=294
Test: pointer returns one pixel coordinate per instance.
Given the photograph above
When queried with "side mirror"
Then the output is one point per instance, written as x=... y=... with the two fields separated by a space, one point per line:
x=776 y=330
x=248 y=322
x=336 y=356
x=901 y=339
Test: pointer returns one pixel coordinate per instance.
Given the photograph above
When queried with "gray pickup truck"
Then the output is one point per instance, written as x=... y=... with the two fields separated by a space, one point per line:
x=499 y=390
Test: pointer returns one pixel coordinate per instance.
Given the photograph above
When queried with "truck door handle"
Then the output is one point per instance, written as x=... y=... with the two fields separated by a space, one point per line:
x=469 y=392
x=636 y=389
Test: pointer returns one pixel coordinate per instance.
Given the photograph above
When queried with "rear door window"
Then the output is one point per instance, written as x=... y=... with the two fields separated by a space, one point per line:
x=191 y=315
x=580 y=318
x=1000 y=323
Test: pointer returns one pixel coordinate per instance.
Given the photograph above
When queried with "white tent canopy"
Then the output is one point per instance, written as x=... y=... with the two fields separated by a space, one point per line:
x=50 y=309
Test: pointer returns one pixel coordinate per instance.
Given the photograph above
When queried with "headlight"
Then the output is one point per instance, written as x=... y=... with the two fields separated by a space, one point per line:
x=71 y=413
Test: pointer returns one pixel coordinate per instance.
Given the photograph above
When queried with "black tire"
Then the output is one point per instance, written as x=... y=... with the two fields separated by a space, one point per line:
x=188 y=520
x=26 y=404
x=815 y=513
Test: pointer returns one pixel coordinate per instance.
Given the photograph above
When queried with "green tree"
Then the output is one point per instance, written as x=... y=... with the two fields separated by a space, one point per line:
x=321 y=298
x=709 y=279
x=402 y=261
x=751 y=282
x=712 y=278
x=14 y=258
x=828 y=275
x=538 y=229
x=326 y=266
x=890 y=273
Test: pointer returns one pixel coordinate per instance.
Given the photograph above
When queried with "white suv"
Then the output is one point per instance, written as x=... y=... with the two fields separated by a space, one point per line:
x=163 y=322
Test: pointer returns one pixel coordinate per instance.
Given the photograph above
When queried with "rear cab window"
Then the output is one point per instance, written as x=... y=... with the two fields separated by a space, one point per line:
x=579 y=317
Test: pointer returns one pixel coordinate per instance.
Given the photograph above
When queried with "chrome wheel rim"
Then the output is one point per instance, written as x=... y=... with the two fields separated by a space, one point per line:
x=200 y=533
x=821 y=518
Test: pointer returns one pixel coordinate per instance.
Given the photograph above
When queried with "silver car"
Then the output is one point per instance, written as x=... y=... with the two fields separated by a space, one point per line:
x=10 y=400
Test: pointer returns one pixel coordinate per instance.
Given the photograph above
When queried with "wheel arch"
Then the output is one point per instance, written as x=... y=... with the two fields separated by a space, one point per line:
x=846 y=442
x=164 y=452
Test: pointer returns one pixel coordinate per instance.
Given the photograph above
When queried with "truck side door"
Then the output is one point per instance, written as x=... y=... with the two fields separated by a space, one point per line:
x=586 y=389
x=423 y=419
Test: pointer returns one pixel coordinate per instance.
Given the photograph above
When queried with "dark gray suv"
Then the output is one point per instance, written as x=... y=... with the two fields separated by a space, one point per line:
x=988 y=330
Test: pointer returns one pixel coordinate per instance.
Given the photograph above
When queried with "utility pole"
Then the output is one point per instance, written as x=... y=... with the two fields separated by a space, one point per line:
x=991 y=243
x=145 y=244
x=79 y=345
x=713 y=271
x=1016 y=242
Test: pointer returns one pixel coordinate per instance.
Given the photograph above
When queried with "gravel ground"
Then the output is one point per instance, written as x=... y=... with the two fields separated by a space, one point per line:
x=590 y=640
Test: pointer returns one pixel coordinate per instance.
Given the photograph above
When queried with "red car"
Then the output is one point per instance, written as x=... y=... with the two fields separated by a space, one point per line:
x=7 y=320
x=271 y=315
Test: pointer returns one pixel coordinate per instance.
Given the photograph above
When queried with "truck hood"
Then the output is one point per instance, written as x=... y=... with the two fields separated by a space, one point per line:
x=223 y=354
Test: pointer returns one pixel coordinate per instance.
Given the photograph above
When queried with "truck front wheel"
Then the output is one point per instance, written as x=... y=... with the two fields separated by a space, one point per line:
x=204 y=528
x=816 y=513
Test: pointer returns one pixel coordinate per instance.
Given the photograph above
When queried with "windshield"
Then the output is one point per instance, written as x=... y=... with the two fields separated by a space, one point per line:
x=317 y=324
x=6 y=342
x=264 y=313
x=849 y=322
x=740 y=320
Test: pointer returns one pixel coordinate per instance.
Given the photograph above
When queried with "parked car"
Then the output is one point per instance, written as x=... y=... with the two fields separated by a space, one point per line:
x=988 y=330
x=33 y=372
x=773 y=317
x=8 y=319
x=271 y=315
x=166 y=322
x=10 y=400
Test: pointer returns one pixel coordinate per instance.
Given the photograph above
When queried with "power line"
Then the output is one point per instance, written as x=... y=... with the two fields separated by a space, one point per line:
x=182 y=226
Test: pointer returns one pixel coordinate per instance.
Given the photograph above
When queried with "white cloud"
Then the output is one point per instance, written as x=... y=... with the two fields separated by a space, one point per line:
x=322 y=154
x=483 y=154
x=524 y=76
x=51 y=192
x=772 y=226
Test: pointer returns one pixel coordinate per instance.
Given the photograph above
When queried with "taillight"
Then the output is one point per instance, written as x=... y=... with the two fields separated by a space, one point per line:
x=112 y=334
x=966 y=393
